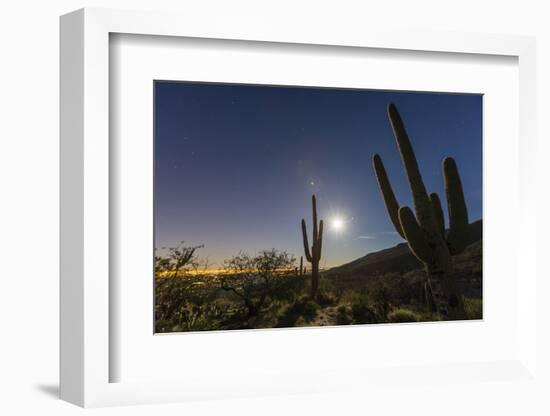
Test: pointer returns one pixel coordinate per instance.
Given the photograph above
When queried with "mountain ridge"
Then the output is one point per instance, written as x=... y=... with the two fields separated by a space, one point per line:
x=397 y=259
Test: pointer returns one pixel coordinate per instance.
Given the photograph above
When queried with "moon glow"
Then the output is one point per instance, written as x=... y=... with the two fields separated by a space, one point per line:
x=337 y=224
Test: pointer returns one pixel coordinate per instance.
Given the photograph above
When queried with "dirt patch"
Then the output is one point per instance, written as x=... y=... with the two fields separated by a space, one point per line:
x=325 y=317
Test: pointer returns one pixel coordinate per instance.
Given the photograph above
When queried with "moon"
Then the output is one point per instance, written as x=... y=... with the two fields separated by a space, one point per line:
x=337 y=224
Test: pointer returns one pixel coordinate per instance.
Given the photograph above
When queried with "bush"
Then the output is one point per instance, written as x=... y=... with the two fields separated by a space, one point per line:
x=302 y=310
x=358 y=307
x=380 y=298
x=403 y=315
x=394 y=289
x=324 y=298
x=473 y=308
x=342 y=316
x=191 y=317
x=307 y=309
x=362 y=314
x=255 y=279
x=287 y=288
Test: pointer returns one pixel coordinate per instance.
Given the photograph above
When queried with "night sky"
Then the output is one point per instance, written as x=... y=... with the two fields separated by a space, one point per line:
x=236 y=165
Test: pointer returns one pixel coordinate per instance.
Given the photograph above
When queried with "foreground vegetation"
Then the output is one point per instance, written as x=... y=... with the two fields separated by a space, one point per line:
x=267 y=291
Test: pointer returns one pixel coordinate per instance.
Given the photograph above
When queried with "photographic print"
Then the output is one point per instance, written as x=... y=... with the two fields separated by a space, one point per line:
x=281 y=206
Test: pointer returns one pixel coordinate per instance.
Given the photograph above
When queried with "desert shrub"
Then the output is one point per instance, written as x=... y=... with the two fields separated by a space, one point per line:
x=380 y=298
x=175 y=261
x=184 y=301
x=362 y=314
x=326 y=293
x=303 y=309
x=325 y=298
x=307 y=309
x=350 y=297
x=288 y=287
x=254 y=280
x=199 y=318
x=473 y=308
x=343 y=316
x=173 y=293
x=357 y=303
x=396 y=289
x=192 y=317
x=403 y=315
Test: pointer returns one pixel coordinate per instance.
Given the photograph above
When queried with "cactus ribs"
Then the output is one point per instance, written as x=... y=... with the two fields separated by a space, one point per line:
x=425 y=231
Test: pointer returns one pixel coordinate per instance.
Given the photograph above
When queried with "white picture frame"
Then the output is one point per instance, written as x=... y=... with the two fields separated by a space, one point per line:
x=86 y=356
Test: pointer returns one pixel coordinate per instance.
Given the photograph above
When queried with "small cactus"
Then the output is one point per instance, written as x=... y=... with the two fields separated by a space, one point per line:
x=425 y=231
x=314 y=255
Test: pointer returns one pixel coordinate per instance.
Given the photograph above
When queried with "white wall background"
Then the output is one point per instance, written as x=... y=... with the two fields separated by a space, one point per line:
x=29 y=190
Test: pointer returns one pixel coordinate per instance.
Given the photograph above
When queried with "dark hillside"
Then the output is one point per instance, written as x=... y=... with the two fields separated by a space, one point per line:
x=399 y=259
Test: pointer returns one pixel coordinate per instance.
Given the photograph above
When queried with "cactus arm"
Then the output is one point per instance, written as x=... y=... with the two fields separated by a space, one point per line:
x=314 y=215
x=422 y=203
x=438 y=213
x=458 y=213
x=392 y=206
x=306 y=244
x=319 y=244
x=415 y=236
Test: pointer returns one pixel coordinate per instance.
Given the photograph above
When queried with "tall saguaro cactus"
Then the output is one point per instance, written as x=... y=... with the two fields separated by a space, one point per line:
x=301 y=266
x=425 y=231
x=314 y=255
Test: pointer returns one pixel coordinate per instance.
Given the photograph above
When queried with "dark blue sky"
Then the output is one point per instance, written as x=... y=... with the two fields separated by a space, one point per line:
x=235 y=165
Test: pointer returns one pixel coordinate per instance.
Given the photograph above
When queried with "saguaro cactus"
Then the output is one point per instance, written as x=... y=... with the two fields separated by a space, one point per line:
x=314 y=255
x=425 y=232
x=301 y=266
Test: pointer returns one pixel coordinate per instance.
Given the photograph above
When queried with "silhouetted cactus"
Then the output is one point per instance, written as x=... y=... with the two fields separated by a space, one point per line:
x=427 y=298
x=425 y=232
x=314 y=255
x=299 y=272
